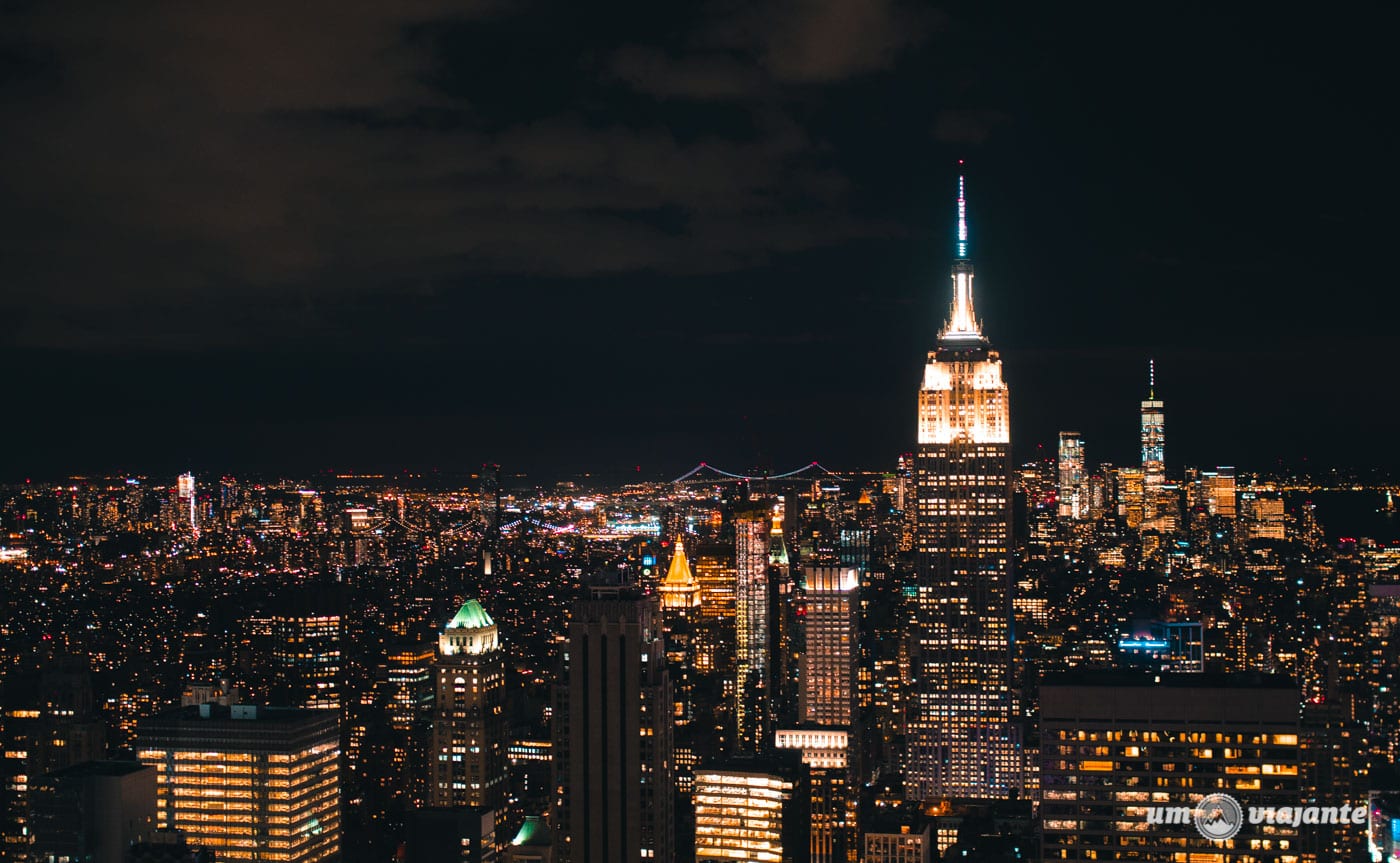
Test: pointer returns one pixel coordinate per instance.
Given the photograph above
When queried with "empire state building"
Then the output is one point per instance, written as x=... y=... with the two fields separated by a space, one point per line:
x=961 y=742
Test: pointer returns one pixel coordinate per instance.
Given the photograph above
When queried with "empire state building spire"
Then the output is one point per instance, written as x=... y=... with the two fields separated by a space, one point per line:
x=962 y=219
x=962 y=738
x=962 y=319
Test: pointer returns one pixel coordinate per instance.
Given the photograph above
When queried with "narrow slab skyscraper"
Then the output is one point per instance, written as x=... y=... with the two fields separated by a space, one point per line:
x=614 y=756
x=961 y=742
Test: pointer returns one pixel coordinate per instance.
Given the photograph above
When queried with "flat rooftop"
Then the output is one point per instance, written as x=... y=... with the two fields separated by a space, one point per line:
x=241 y=726
x=101 y=768
x=1127 y=678
x=1147 y=699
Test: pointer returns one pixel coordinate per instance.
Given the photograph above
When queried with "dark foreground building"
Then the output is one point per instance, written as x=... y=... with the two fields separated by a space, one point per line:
x=613 y=723
x=1126 y=758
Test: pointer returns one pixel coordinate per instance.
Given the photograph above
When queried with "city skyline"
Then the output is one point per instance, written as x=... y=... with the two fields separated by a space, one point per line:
x=466 y=432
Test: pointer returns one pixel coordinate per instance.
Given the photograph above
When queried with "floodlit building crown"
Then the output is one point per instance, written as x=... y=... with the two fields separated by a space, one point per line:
x=679 y=589
x=471 y=630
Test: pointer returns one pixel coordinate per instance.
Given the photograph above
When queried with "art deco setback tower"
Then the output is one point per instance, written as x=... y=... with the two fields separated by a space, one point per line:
x=469 y=736
x=960 y=739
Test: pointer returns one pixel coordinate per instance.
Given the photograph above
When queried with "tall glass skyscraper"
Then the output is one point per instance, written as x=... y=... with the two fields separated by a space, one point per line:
x=961 y=742
x=1154 y=439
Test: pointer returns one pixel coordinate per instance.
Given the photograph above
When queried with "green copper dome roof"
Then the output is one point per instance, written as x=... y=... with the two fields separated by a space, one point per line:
x=471 y=616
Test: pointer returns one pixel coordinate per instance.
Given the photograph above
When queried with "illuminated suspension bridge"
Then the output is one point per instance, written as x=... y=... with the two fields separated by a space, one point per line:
x=715 y=474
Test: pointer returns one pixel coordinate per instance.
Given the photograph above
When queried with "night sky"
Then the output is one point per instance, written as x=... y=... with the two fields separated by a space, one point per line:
x=566 y=236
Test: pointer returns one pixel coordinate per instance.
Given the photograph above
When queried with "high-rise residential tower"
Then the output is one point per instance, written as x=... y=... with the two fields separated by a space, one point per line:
x=1073 y=491
x=961 y=743
x=469 y=734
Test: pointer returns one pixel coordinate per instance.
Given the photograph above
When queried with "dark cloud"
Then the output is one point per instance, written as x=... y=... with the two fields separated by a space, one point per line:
x=747 y=51
x=184 y=153
x=821 y=41
x=826 y=40
x=431 y=229
x=711 y=76
x=968 y=126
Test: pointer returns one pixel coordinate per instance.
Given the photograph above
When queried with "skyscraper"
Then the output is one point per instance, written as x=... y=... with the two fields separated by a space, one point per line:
x=827 y=700
x=614 y=758
x=93 y=811
x=680 y=592
x=830 y=756
x=1383 y=647
x=714 y=570
x=469 y=735
x=186 y=503
x=1220 y=491
x=1121 y=750
x=1131 y=505
x=48 y=721
x=751 y=605
x=250 y=783
x=1153 y=444
x=490 y=501
x=408 y=672
x=307 y=657
x=680 y=605
x=828 y=668
x=752 y=810
x=1073 y=497
x=960 y=739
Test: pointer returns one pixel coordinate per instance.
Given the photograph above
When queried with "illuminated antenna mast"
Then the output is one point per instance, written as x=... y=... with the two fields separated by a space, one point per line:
x=1152 y=379
x=962 y=320
x=962 y=219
